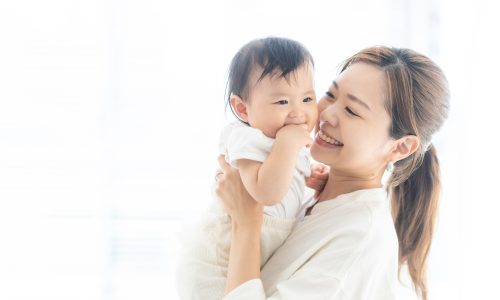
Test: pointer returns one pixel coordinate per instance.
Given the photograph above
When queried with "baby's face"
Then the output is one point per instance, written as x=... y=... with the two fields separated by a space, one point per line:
x=275 y=102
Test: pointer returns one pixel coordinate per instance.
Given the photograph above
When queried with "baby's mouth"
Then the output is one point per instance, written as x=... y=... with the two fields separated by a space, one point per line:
x=330 y=140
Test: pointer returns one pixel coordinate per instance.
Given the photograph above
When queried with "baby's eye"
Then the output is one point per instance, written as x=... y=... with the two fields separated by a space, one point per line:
x=281 y=102
x=308 y=99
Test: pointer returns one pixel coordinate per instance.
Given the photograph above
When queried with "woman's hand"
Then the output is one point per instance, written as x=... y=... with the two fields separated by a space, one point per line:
x=318 y=178
x=246 y=217
x=237 y=202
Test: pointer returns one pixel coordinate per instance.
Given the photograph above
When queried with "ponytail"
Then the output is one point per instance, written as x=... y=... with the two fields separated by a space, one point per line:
x=417 y=100
x=414 y=209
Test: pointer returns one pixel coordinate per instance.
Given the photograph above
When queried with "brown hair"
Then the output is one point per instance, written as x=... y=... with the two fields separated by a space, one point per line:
x=417 y=101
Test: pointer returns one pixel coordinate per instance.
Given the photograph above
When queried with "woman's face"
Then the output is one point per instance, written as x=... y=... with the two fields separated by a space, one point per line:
x=352 y=135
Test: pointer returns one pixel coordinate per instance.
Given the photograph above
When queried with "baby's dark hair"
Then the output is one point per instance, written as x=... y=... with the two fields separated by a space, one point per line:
x=276 y=56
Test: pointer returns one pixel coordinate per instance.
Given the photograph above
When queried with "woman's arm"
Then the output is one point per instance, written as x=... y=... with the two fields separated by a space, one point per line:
x=246 y=218
x=244 y=256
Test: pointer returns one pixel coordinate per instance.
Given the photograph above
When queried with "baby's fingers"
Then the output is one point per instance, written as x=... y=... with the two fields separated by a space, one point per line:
x=223 y=164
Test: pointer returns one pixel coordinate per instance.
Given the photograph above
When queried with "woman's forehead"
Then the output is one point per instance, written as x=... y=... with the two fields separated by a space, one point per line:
x=364 y=81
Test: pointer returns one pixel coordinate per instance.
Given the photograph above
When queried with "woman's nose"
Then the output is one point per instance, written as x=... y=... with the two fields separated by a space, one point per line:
x=329 y=114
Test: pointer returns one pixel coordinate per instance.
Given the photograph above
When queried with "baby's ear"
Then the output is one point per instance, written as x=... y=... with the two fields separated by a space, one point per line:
x=239 y=107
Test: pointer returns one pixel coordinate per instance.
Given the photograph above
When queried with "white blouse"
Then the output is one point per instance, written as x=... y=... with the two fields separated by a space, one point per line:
x=346 y=248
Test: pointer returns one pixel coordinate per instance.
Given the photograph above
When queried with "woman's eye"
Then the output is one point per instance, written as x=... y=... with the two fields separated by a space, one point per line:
x=281 y=102
x=351 y=112
x=330 y=95
x=308 y=99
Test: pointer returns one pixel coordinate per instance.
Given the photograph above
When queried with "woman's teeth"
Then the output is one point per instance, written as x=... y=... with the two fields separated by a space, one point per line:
x=329 y=139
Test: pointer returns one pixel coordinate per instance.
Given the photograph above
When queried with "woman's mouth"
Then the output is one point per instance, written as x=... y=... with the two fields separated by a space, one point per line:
x=328 y=139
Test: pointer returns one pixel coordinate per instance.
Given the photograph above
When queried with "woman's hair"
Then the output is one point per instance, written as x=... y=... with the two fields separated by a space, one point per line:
x=417 y=102
x=276 y=56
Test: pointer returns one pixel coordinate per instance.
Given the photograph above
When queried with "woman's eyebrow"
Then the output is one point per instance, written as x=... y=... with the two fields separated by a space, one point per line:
x=356 y=99
x=352 y=97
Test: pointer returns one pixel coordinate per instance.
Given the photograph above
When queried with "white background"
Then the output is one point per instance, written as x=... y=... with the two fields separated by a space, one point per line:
x=110 y=113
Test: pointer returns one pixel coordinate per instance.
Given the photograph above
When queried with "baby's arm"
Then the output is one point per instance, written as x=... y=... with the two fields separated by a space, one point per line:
x=269 y=181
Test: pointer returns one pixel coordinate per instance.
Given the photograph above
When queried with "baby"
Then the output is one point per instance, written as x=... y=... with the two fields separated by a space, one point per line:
x=271 y=92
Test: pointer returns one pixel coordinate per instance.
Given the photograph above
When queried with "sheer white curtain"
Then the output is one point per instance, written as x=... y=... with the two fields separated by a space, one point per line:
x=467 y=242
x=110 y=113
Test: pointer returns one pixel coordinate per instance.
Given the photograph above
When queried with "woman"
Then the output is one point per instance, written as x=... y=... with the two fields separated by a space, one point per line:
x=380 y=113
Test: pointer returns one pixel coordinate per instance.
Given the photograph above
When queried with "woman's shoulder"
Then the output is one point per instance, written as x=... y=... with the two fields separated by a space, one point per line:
x=351 y=221
x=360 y=229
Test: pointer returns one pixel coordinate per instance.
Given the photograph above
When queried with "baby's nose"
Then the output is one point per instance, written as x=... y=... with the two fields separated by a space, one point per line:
x=294 y=113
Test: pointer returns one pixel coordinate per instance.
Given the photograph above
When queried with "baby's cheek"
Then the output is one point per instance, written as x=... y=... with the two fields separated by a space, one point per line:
x=314 y=124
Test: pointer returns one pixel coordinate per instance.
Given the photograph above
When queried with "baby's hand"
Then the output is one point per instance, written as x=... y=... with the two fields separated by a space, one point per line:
x=296 y=136
x=318 y=178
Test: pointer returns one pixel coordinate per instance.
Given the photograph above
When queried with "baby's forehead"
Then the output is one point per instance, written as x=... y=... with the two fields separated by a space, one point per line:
x=299 y=81
x=258 y=73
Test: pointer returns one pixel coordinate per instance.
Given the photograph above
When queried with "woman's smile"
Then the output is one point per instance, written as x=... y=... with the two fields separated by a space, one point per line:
x=330 y=140
x=324 y=140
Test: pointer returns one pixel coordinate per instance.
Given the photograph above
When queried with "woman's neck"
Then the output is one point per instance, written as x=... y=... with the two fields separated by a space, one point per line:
x=339 y=184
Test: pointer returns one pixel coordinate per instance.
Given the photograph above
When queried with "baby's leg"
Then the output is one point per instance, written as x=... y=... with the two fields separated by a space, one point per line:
x=202 y=271
x=274 y=233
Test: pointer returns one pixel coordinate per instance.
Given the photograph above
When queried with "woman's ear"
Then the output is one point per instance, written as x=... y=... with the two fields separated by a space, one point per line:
x=404 y=147
x=239 y=107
